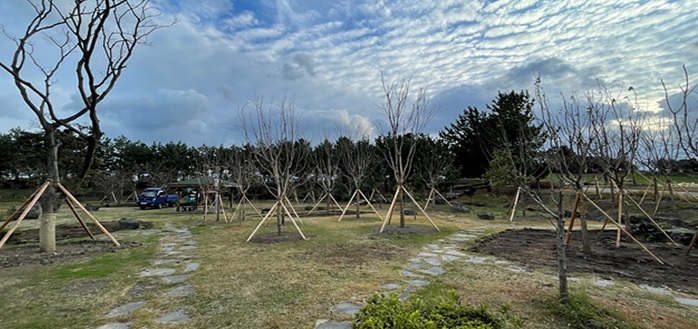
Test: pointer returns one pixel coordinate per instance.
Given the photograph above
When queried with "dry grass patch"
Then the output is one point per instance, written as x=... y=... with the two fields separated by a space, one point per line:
x=292 y=284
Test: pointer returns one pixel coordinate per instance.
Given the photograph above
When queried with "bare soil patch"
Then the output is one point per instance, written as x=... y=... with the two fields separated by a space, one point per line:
x=22 y=247
x=411 y=229
x=536 y=248
x=269 y=238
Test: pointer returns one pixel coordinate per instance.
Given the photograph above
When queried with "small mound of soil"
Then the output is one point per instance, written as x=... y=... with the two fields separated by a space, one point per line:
x=11 y=256
x=269 y=238
x=68 y=231
x=536 y=248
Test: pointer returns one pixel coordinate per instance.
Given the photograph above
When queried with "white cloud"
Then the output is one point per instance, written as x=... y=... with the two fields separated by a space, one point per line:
x=329 y=54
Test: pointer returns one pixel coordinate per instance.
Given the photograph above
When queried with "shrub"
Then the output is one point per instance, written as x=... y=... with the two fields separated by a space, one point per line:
x=425 y=312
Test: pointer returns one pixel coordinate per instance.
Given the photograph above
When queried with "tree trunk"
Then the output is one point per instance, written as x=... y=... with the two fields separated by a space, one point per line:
x=655 y=183
x=358 y=205
x=47 y=223
x=401 y=200
x=279 y=218
x=560 y=248
x=671 y=194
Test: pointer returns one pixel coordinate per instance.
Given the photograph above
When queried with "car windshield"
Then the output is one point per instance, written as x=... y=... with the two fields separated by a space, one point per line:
x=148 y=194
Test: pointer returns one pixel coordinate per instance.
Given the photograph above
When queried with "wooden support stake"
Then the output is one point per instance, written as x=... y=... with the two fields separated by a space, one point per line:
x=294 y=221
x=222 y=208
x=620 y=216
x=624 y=231
x=431 y=192
x=344 y=211
x=439 y=193
x=390 y=209
x=271 y=211
x=516 y=201
x=29 y=206
x=24 y=204
x=693 y=242
x=294 y=210
x=653 y=221
x=577 y=200
x=317 y=203
x=371 y=205
x=420 y=208
x=335 y=201
x=77 y=216
x=76 y=202
x=659 y=200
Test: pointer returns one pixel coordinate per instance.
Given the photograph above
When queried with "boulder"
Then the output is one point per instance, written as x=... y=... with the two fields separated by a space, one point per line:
x=568 y=214
x=461 y=208
x=35 y=212
x=409 y=212
x=486 y=216
x=90 y=207
x=129 y=224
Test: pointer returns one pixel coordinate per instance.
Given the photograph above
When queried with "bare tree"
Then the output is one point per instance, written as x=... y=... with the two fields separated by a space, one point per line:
x=356 y=158
x=93 y=39
x=659 y=149
x=407 y=113
x=436 y=168
x=325 y=162
x=159 y=173
x=617 y=125
x=685 y=121
x=570 y=137
x=279 y=153
x=243 y=172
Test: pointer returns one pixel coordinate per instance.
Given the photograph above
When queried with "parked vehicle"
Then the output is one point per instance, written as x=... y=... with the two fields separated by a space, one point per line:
x=155 y=197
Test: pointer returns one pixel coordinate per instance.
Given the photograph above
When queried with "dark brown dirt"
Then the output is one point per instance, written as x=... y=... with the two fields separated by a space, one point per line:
x=536 y=248
x=269 y=238
x=22 y=248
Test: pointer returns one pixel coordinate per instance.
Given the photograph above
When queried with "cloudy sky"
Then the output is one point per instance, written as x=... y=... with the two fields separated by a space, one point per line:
x=189 y=83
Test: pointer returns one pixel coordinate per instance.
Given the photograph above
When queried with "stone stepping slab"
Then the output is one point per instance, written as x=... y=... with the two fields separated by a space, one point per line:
x=124 y=309
x=191 y=267
x=175 y=317
x=345 y=308
x=182 y=291
x=157 y=272
x=174 y=279
x=333 y=325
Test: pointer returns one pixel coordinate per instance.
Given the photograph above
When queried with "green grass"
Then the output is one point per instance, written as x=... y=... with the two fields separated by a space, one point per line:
x=582 y=313
x=293 y=284
x=72 y=295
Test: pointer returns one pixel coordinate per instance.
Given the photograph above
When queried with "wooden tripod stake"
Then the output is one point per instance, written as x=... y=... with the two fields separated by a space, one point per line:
x=392 y=207
x=432 y=197
x=27 y=205
x=277 y=207
x=356 y=193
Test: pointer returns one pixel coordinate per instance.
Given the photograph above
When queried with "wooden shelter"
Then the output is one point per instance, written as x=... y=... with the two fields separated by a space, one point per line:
x=203 y=184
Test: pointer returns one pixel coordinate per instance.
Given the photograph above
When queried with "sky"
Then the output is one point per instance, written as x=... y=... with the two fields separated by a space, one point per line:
x=193 y=78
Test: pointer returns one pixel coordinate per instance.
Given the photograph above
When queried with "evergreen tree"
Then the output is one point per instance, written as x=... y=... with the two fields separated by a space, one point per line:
x=476 y=134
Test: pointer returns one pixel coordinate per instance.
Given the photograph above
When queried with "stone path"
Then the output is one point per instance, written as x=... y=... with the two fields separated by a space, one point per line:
x=172 y=269
x=419 y=271
x=428 y=264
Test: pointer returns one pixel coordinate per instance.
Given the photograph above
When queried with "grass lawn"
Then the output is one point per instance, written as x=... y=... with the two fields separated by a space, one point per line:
x=291 y=284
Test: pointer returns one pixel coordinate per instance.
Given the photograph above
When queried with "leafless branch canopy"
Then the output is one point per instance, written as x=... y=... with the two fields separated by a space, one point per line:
x=408 y=113
x=96 y=38
x=278 y=151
